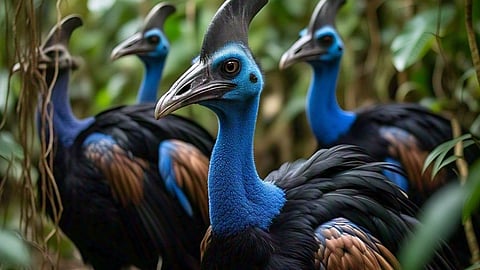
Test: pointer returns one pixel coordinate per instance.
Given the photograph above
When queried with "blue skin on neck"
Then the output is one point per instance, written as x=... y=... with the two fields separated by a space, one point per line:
x=66 y=126
x=238 y=198
x=154 y=63
x=327 y=120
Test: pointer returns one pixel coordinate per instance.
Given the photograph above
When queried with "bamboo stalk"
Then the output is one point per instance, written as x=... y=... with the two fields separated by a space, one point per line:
x=471 y=37
x=463 y=173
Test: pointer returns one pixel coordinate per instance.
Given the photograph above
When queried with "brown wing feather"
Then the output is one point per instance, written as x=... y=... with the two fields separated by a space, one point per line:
x=123 y=171
x=412 y=158
x=205 y=241
x=346 y=247
x=191 y=170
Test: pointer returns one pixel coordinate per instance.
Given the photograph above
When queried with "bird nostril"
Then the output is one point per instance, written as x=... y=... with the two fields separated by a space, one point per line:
x=184 y=89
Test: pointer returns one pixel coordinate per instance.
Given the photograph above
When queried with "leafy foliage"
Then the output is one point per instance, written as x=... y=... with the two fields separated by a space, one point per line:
x=13 y=251
x=440 y=217
x=441 y=156
x=418 y=35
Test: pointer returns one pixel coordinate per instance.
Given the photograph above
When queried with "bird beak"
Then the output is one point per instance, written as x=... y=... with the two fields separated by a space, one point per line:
x=16 y=68
x=42 y=60
x=133 y=45
x=302 y=50
x=194 y=86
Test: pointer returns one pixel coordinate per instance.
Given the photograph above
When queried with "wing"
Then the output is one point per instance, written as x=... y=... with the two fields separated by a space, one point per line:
x=343 y=245
x=428 y=128
x=403 y=134
x=406 y=151
x=207 y=238
x=184 y=169
x=121 y=169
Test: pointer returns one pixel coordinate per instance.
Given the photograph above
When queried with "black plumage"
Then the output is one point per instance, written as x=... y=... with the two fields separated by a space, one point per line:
x=118 y=207
x=400 y=131
x=335 y=210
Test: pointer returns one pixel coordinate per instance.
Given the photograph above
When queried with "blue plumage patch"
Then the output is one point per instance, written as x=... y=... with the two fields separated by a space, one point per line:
x=97 y=137
x=166 y=168
x=396 y=178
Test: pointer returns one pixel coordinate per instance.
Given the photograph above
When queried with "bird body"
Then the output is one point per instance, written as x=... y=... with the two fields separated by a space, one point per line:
x=115 y=206
x=132 y=189
x=333 y=210
x=389 y=132
x=397 y=133
x=336 y=187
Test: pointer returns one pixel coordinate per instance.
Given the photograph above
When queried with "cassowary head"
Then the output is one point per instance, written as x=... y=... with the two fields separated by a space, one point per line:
x=151 y=41
x=54 y=53
x=225 y=71
x=320 y=40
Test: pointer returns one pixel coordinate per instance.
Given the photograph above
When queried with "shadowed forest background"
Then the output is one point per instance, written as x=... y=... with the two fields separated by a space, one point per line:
x=415 y=51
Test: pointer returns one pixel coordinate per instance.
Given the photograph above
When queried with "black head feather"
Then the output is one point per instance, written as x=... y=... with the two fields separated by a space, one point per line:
x=230 y=24
x=57 y=39
x=60 y=34
x=324 y=14
x=54 y=52
x=157 y=16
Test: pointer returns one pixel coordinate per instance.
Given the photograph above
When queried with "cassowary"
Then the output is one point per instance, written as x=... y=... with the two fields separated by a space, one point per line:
x=152 y=47
x=334 y=210
x=132 y=189
x=399 y=133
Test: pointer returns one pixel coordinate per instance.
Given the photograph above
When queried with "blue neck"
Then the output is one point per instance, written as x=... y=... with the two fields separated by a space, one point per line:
x=65 y=125
x=151 y=80
x=327 y=120
x=238 y=198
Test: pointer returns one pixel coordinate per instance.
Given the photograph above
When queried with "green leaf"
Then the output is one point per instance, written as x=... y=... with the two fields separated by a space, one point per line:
x=418 y=35
x=442 y=162
x=10 y=148
x=439 y=219
x=13 y=250
x=473 y=184
x=442 y=150
x=474 y=267
x=475 y=127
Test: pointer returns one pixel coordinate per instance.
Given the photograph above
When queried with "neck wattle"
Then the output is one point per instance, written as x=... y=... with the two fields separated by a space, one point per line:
x=151 y=80
x=238 y=198
x=327 y=120
x=65 y=125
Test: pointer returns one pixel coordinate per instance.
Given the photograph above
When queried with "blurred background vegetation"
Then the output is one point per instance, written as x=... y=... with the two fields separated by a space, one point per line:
x=414 y=51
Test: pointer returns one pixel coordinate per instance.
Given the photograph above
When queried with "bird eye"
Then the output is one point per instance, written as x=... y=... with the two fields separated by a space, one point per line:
x=54 y=54
x=326 y=40
x=231 y=67
x=153 y=39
